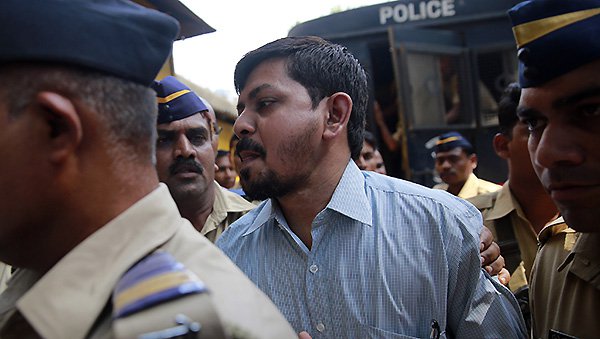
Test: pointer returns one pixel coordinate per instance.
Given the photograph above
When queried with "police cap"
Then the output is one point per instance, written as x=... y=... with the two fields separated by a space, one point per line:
x=117 y=37
x=452 y=140
x=176 y=101
x=554 y=37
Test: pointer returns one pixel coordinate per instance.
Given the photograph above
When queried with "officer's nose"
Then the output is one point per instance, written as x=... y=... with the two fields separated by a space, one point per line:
x=557 y=146
x=184 y=148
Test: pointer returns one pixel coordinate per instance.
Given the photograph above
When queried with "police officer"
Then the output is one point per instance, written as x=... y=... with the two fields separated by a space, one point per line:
x=559 y=71
x=185 y=160
x=521 y=208
x=101 y=248
x=455 y=161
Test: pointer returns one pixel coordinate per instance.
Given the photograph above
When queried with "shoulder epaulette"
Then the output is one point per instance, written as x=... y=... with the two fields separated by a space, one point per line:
x=155 y=279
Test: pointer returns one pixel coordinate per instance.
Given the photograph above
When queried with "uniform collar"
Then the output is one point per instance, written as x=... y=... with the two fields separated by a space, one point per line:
x=66 y=301
x=225 y=202
x=553 y=228
x=470 y=188
x=349 y=199
x=505 y=203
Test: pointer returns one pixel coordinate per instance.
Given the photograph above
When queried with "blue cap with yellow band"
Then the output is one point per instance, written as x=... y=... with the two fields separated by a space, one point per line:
x=176 y=101
x=554 y=37
x=117 y=37
x=452 y=140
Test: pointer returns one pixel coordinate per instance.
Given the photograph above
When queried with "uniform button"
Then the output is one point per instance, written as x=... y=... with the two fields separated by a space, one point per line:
x=320 y=327
x=314 y=269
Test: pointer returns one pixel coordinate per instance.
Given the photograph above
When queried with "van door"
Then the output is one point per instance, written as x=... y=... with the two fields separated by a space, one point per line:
x=433 y=92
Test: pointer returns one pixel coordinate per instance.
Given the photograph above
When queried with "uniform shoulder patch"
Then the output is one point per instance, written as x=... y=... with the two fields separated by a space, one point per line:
x=155 y=279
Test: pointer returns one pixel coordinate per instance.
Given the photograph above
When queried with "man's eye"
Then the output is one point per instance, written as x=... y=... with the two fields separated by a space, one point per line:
x=197 y=139
x=534 y=124
x=591 y=110
x=163 y=141
x=531 y=123
x=264 y=103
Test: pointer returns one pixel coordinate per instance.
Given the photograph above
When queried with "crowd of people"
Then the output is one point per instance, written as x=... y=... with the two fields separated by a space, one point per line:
x=121 y=218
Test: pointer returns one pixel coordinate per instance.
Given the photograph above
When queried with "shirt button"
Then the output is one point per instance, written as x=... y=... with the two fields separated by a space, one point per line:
x=320 y=327
x=314 y=269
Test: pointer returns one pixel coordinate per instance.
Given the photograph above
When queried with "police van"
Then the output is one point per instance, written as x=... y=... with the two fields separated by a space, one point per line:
x=434 y=66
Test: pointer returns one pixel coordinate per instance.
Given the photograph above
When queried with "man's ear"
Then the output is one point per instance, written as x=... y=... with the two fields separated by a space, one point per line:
x=500 y=143
x=339 y=107
x=473 y=160
x=64 y=124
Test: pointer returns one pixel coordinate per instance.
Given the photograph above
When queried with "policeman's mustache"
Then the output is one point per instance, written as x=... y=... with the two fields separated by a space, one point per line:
x=246 y=144
x=188 y=164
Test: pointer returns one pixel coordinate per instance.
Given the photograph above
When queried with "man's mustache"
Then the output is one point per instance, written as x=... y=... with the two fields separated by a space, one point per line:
x=246 y=144
x=185 y=164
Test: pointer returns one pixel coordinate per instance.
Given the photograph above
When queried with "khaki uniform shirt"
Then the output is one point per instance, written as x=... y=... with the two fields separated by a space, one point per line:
x=472 y=187
x=497 y=205
x=227 y=208
x=73 y=299
x=565 y=283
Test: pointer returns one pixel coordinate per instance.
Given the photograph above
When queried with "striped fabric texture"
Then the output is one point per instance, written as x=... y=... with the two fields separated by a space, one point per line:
x=388 y=257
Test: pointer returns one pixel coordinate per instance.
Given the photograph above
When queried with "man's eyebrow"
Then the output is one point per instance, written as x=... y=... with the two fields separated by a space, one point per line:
x=252 y=95
x=197 y=130
x=575 y=98
x=526 y=112
x=168 y=132
x=164 y=132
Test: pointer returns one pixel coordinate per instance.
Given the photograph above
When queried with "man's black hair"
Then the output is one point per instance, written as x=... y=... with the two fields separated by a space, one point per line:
x=323 y=68
x=507 y=108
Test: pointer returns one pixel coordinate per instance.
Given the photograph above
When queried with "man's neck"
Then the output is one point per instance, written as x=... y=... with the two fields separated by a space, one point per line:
x=301 y=207
x=455 y=189
x=535 y=202
x=197 y=210
x=93 y=200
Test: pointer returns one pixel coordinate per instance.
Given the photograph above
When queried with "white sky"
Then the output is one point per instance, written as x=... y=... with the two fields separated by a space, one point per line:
x=209 y=60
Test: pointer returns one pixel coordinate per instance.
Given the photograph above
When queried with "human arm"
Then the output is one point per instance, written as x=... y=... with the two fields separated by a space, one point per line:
x=478 y=305
x=390 y=142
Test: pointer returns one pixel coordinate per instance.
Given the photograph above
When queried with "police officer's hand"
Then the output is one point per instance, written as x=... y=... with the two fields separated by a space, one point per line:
x=489 y=251
x=504 y=276
x=304 y=335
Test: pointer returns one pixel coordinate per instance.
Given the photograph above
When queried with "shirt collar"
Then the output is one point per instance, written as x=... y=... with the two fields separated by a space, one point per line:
x=469 y=189
x=505 y=203
x=225 y=202
x=266 y=212
x=553 y=228
x=349 y=199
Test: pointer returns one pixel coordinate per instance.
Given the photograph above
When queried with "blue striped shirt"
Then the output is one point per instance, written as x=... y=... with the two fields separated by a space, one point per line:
x=387 y=257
